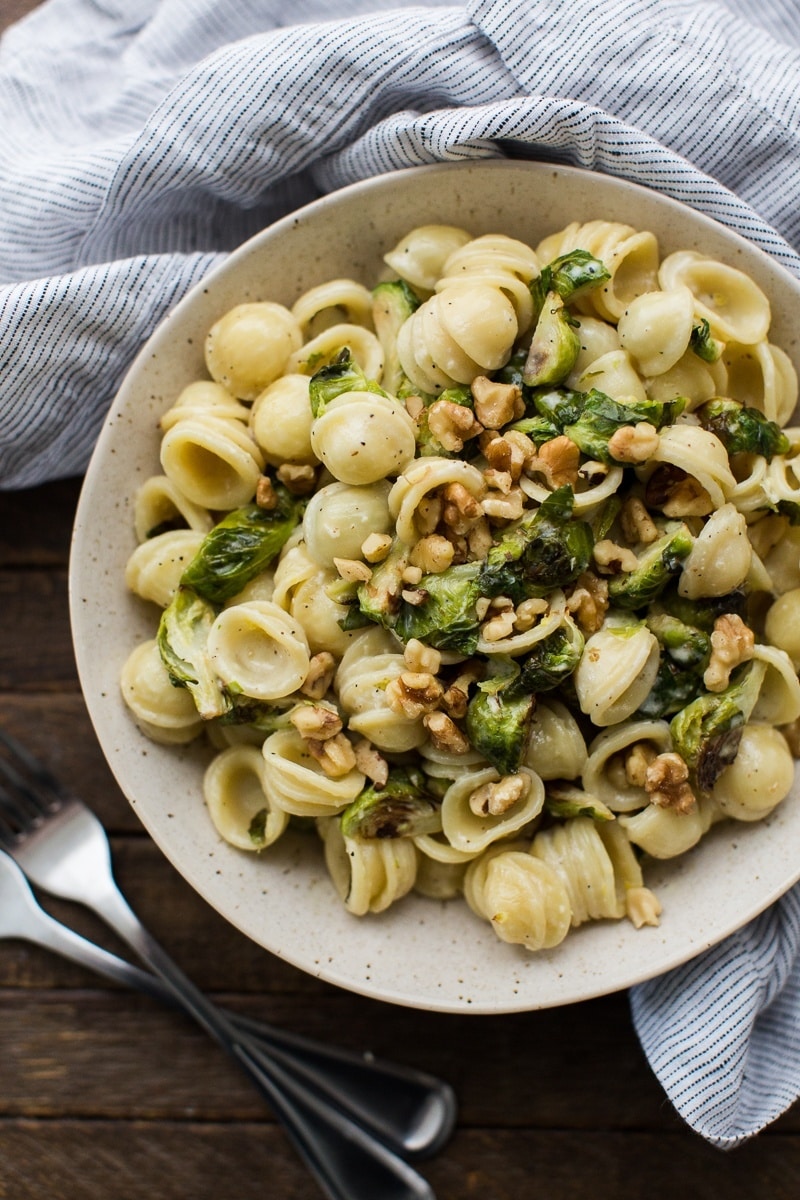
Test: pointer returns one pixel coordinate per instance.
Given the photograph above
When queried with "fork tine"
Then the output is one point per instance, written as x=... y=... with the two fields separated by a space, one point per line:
x=40 y=790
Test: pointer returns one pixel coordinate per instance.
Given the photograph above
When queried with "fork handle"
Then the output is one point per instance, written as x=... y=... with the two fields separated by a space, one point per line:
x=348 y=1162
x=411 y=1111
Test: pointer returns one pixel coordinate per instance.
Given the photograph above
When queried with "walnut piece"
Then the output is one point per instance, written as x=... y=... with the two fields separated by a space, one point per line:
x=634 y=443
x=496 y=403
x=452 y=424
x=266 y=496
x=558 y=460
x=413 y=694
x=297 y=479
x=318 y=721
x=352 y=570
x=511 y=453
x=445 y=734
x=612 y=559
x=461 y=510
x=666 y=782
x=677 y=494
x=493 y=799
x=637 y=524
x=321 y=670
x=335 y=755
x=371 y=763
x=376 y=546
x=419 y=657
x=589 y=601
x=432 y=554
x=504 y=508
x=637 y=760
x=732 y=643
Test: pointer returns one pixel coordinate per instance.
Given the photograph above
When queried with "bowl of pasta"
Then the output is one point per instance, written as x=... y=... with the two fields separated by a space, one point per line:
x=449 y=538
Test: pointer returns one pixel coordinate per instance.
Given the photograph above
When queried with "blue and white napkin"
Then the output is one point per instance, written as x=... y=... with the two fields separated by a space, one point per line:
x=141 y=140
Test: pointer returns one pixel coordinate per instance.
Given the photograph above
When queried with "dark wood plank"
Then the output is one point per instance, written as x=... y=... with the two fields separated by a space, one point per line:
x=94 y=1160
x=36 y=651
x=36 y=524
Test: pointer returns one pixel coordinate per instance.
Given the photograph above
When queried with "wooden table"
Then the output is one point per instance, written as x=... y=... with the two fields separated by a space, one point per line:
x=105 y=1095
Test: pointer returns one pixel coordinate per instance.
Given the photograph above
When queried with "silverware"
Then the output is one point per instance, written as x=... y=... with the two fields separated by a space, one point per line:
x=350 y=1118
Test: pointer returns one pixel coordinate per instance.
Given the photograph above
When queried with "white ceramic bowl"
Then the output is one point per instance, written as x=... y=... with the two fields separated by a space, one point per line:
x=422 y=953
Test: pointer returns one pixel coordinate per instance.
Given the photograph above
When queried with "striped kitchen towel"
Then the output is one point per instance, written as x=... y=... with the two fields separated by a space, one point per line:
x=141 y=140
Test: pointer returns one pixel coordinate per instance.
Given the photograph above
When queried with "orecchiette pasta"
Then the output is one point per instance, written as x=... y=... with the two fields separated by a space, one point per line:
x=491 y=569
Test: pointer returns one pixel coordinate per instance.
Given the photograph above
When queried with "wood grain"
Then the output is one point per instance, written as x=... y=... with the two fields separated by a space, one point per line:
x=106 y=1095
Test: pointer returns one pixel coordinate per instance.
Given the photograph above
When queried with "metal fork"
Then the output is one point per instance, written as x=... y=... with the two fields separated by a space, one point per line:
x=350 y=1118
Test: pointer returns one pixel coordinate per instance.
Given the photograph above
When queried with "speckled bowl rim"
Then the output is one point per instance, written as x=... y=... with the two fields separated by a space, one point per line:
x=421 y=953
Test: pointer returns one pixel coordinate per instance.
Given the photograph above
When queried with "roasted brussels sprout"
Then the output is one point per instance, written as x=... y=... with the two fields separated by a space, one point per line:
x=703 y=344
x=657 y=565
x=546 y=549
x=392 y=305
x=447 y=618
x=601 y=417
x=182 y=638
x=707 y=732
x=403 y=807
x=742 y=429
x=569 y=276
x=498 y=719
x=552 y=660
x=342 y=375
x=242 y=545
x=554 y=347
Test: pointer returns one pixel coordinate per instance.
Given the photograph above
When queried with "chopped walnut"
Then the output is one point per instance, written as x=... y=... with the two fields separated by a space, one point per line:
x=528 y=613
x=677 y=494
x=505 y=508
x=589 y=601
x=612 y=559
x=642 y=907
x=266 y=496
x=371 y=763
x=414 y=406
x=412 y=574
x=321 y=670
x=318 y=721
x=456 y=697
x=452 y=424
x=637 y=760
x=634 y=443
x=428 y=514
x=297 y=479
x=500 y=481
x=413 y=694
x=415 y=596
x=445 y=734
x=637 y=524
x=499 y=625
x=493 y=799
x=335 y=755
x=666 y=782
x=376 y=546
x=511 y=453
x=482 y=605
x=558 y=460
x=461 y=509
x=419 y=657
x=352 y=570
x=432 y=554
x=496 y=403
x=732 y=643
x=479 y=539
